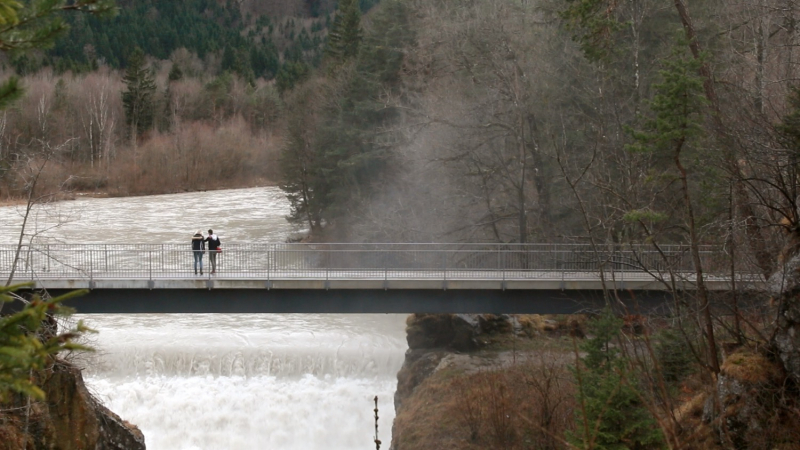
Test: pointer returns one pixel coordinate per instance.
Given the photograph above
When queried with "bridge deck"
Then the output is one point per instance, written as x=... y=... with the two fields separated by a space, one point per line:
x=525 y=280
x=360 y=278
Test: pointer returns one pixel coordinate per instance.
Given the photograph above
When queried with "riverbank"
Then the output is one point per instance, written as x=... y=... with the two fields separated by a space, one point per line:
x=74 y=195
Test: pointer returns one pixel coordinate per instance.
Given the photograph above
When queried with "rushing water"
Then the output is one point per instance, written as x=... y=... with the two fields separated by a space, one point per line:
x=228 y=381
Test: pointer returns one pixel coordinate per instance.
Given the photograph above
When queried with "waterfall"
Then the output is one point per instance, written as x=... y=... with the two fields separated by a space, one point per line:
x=226 y=381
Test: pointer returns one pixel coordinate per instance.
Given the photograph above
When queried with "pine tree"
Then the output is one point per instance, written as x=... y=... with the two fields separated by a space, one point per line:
x=25 y=345
x=300 y=162
x=334 y=155
x=175 y=73
x=137 y=99
x=344 y=37
x=36 y=25
x=611 y=413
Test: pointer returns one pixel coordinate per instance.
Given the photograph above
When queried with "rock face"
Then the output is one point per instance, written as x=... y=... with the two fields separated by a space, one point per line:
x=431 y=337
x=750 y=411
x=70 y=419
x=787 y=336
x=785 y=286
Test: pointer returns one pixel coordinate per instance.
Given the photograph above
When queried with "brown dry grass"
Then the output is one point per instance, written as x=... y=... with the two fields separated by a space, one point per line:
x=528 y=405
x=750 y=367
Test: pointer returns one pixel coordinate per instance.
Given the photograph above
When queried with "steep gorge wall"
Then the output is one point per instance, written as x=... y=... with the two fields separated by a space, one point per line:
x=431 y=339
x=69 y=419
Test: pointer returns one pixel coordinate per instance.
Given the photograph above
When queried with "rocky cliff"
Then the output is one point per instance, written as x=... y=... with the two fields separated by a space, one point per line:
x=69 y=419
x=457 y=388
x=430 y=400
x=784 y=285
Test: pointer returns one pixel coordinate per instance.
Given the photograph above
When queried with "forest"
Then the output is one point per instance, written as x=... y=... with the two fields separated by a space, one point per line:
x=607 y=123
x=203 y=82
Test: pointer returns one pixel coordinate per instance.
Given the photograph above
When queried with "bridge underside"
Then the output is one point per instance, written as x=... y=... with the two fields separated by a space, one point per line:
x=543 y=301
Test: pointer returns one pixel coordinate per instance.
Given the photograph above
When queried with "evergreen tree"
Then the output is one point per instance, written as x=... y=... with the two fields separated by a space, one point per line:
x=26 y=347
x=228 y=59
x=344 y=151
x=345 y=34
x=303 y=180
x=175 y=73
x=611 y=414
x=36 y=25
x=290 y=74
x=137 y=99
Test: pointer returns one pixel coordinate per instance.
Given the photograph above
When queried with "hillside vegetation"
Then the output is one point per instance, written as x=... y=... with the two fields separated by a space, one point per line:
x=671 y=127
x=165 y=96
x=618 y=125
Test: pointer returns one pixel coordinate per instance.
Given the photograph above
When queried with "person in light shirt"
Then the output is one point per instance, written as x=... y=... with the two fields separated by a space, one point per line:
x=213 y=248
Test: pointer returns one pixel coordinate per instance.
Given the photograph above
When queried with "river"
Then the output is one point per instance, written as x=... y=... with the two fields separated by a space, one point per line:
x=227 y=381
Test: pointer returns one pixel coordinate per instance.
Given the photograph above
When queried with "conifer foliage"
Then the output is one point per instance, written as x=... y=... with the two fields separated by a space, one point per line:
x=338 y=149
x=138 y=97
x=345 y=35
x=36 y=25
x=29 y=337
x=25 y=345
x=611 y=414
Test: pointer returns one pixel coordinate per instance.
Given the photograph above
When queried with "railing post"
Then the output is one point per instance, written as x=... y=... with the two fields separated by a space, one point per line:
x=503 y=257
x=444 y=265
x=150 y=262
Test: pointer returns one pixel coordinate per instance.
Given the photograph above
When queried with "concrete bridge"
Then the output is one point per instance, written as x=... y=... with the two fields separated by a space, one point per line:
x=362 y=278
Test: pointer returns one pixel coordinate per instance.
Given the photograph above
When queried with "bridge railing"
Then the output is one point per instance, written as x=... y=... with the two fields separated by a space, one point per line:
x=440 y=261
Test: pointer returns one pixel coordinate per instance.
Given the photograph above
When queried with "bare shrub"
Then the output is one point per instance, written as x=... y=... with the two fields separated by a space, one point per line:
x=469 y=407
x=552 y=397
x=501 y=414
x=526 y=406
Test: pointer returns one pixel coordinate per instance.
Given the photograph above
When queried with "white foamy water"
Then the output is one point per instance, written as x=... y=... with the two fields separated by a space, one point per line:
x=228 y=381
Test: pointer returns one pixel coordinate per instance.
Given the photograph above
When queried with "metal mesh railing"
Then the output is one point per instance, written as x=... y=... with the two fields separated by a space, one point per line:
x=440 y=261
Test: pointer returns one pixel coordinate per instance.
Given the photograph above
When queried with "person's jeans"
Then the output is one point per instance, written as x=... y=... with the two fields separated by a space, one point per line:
x=212 y=256
x=198 y=260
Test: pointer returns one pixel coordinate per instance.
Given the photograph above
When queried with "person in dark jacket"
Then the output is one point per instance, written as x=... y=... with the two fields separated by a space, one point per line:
x=198 y=247
x=213 y=245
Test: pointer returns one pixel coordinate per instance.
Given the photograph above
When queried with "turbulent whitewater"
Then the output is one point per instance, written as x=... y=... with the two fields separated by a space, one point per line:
x=228 y=381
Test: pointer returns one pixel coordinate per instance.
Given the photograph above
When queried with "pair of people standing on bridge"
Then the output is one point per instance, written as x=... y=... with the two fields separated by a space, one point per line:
x=199 y=247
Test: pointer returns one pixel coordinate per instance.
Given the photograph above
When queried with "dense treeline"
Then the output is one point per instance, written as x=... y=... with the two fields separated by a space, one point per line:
x=226 y=36
x=522 y=115
x=221 y=132
x=598 y=122
x=588 y=121
x=164 y=96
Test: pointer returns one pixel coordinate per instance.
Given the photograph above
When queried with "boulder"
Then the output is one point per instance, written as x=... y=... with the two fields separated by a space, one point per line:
x=746 y=409
x=457 y=332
